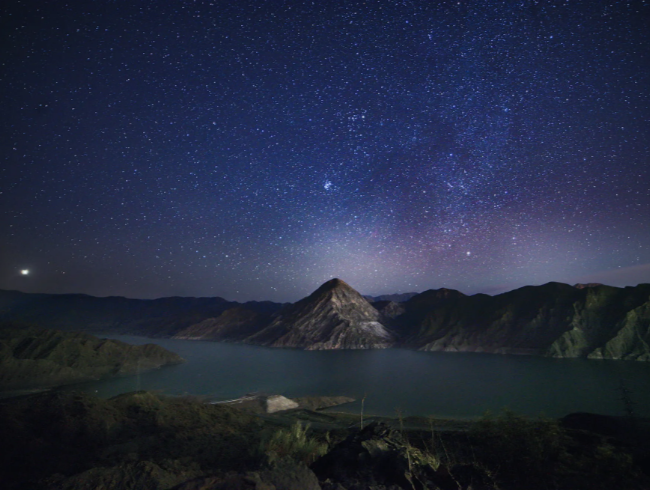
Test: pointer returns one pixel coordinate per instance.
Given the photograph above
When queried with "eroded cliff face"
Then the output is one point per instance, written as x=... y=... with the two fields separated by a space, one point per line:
x=557 y=320
x=335 y=316
x=632 y=340
x=607 y=323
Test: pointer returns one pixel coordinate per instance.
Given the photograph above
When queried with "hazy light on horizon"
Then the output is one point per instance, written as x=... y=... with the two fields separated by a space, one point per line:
x=254 y=151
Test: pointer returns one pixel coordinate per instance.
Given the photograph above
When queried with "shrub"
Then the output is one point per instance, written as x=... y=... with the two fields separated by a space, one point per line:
x=293 y=444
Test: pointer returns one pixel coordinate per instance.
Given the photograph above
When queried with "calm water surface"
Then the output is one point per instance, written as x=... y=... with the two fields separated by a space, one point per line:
x=417 y=383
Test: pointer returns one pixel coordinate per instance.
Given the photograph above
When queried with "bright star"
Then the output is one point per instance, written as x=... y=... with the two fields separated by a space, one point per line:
x=24 y=272
x=328 y=185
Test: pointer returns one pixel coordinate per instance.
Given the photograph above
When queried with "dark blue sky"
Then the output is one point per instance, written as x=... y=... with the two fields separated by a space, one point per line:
x=255 y=149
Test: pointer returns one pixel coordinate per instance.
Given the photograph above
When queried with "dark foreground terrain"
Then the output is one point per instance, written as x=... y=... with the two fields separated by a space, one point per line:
x=74 y=441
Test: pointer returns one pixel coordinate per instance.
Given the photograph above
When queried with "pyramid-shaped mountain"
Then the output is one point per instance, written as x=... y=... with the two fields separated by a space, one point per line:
x=335 y=316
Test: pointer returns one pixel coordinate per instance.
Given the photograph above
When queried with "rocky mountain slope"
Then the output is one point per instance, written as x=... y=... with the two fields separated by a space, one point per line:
x=32 y=357
x=555 y=320
x=558 y=320
x=335 y=316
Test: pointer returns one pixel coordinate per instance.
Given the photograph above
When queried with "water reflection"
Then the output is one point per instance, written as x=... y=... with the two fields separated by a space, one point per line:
x=417 y=383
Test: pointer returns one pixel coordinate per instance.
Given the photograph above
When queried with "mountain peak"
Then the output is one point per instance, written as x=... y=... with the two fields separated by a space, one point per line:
x=335 y=316
x=336 y=286
x=333 y=284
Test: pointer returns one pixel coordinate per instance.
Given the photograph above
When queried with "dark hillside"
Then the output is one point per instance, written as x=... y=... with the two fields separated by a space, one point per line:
x=33 y=357
x=162 y=317
x=75 y=441
x=554 y=319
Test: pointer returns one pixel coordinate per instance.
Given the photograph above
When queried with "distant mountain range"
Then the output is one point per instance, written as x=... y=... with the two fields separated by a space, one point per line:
x=397 y=298
x=557 y=320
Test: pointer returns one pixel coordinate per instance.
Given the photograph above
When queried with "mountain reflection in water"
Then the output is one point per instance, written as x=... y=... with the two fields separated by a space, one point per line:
x=416 y=383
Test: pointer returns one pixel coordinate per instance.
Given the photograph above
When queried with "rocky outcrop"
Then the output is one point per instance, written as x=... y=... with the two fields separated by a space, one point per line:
x=335 y=316
x=380 y=455
x=32 y=357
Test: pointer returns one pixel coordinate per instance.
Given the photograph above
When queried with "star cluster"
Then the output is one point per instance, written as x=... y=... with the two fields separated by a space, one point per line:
x=255 y=149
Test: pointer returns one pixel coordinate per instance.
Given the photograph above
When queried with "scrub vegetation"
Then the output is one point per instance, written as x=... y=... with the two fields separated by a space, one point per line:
x=294 y=444
x=73 y=441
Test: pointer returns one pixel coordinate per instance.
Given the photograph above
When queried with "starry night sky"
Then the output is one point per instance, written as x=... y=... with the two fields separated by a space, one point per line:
x=255 y=149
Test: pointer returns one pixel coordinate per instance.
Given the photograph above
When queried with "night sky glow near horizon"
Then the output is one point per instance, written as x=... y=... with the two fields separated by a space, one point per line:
x=255 y=149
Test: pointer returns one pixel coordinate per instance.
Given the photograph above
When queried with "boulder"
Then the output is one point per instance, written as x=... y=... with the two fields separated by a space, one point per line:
x=378 y=454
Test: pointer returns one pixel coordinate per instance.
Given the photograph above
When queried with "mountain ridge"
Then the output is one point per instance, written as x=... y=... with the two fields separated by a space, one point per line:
x=554 y=319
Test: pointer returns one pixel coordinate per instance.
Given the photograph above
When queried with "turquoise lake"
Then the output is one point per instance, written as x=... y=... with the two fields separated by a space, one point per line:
x=416 y=383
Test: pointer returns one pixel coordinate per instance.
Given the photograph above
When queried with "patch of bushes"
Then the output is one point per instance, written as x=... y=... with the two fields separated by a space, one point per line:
x=292 y=444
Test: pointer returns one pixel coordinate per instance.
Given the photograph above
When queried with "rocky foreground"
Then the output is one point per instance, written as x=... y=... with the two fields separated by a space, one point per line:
x=76 y=441
x=557 y=320
x=32 y=357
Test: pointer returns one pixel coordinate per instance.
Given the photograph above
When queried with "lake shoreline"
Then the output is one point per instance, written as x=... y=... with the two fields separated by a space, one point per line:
x=443 y=385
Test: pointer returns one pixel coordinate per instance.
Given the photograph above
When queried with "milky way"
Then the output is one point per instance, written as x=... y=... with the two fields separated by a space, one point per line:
x=255 y=149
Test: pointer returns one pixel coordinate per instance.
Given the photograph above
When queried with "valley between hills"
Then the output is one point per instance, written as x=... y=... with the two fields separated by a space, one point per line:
x=555 y=320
